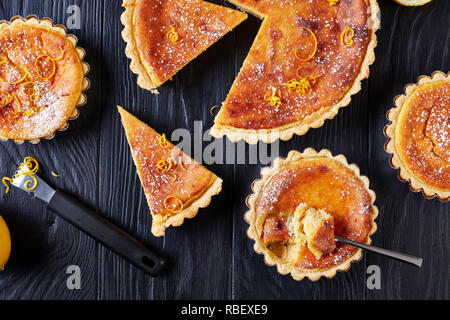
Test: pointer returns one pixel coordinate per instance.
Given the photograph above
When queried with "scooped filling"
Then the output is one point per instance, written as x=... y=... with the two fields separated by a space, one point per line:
x=286 y=236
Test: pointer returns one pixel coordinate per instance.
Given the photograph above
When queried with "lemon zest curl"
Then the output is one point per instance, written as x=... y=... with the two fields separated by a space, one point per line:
x=347 y=37
x=172 y=35
x=273 y=99
x=173 y=209
x=315 y=47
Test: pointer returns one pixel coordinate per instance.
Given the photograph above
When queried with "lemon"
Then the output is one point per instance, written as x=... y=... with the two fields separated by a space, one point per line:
x=412 y=2
x=5 y=243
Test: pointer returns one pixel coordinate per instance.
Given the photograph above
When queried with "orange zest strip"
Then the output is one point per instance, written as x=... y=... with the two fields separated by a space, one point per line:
x=55 y=174
x=180 y=163
x=174 y=208
x=5 y=181
x=163 y=141
x=30 y=112
x=174 y=177
x=18 y=81
x=315 y=47
x=211 y=110
x=172 y=162
x=347 y=37
x=17 y=101
x=333 y=2
x=161 y=166
x=8 y=98
x=303 y=85
x=172 y=35
x=33 y=94
x=273 y=99
x=29 y=166
x=4 y=60
x=37 y=67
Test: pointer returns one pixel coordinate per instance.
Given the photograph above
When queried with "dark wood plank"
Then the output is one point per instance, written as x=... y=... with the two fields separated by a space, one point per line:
x=200 y=250
x=43 y=244
x=412 y=42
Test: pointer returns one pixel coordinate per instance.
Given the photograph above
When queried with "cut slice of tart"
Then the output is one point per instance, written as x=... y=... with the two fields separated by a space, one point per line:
x=419 y=136
x=174 y=184
x=308 y=59
x=300 y=204
x=163 y=36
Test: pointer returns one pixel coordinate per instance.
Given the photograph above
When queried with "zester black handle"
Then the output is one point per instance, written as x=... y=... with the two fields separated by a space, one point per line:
x=105 y=232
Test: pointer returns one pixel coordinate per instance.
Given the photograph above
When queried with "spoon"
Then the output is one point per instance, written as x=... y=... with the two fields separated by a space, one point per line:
x=416 y=261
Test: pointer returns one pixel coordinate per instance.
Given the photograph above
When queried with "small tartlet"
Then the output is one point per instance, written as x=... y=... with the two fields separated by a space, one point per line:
x=61 y=95
x=252 y=215
x=412 y=93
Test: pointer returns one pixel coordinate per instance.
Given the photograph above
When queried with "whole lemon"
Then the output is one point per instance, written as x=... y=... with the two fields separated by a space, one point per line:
x=5 y=243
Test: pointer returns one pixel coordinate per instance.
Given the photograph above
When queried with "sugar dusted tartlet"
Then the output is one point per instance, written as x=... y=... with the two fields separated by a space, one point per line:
x=306 y=62
x=42 y=79
x=300 y=204
x=419 y=135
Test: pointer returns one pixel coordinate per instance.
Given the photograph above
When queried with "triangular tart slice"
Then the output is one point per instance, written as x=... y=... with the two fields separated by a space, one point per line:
x=174 y=184
x=165 y=35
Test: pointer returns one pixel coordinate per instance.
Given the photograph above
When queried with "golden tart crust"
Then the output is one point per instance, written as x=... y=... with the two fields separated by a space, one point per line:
x=22 y=41
x=186 y=180
x=419 y=135
x=320 y=181
x=335 y=72
x=197 y=24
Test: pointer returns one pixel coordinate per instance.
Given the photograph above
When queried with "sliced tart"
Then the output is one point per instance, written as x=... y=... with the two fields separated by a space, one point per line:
x=419 y=136
x=300 y=204
x=165 y=35
x=306 y=62
x=174 y=184
x=42 y=79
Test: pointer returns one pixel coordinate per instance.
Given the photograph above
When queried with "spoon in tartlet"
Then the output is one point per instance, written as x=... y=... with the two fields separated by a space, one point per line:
x=416 y=261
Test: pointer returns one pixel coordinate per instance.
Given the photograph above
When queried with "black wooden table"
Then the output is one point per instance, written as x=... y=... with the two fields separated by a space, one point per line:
x=211 y=256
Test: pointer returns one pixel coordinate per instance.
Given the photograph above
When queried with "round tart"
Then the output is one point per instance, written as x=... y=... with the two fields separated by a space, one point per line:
x=42 y=79
x=419 y=136
x=298 y=206
x=164 y=36
x=308 y=59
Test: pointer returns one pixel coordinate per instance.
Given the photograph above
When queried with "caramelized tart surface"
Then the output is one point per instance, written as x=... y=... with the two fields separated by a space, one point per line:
x=286 y=31
x=167 y=186
x=195 y=25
